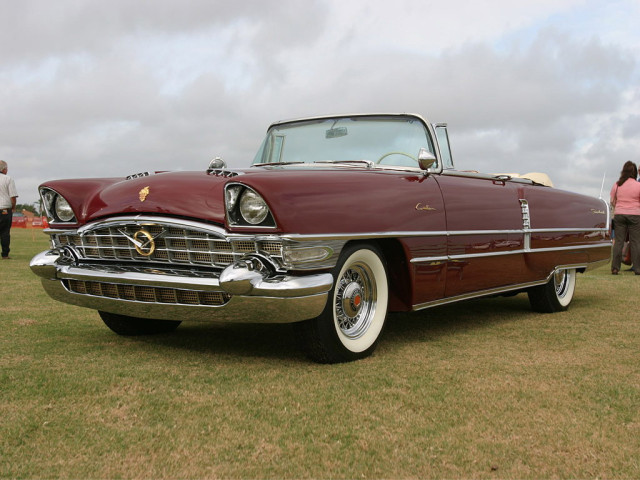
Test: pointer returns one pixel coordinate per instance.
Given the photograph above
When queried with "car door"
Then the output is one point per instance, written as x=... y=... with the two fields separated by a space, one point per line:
x=427 y=249
x=485 y=240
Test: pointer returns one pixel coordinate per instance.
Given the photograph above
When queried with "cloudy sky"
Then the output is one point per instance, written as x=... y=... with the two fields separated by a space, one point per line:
x=110 y=88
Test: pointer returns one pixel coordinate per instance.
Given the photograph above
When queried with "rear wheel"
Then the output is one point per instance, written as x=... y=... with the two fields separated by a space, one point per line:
x=353 y=319
x=556 y=294
x=130 y=326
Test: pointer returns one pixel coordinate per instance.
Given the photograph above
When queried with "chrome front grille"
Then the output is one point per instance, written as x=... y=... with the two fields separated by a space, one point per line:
x=140 y=293
x=172 y=244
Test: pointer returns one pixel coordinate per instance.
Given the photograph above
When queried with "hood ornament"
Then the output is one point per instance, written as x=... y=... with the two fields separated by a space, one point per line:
x=142 y=194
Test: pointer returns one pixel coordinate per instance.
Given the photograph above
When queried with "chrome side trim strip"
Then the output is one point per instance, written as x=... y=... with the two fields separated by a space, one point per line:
x=563 y=230
x=216 y=230
x=511 y=252
x=495 y=291
x=463 y=256
x=439 y=233
x=574 y=247
x=488 y=176
x=458 y=233
x=360 y=236
x=436 y=260
x=484 y=293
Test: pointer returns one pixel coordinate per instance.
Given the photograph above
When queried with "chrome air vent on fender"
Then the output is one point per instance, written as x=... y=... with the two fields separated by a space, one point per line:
x=138 y=175
x=218 y=168
x=223 y=173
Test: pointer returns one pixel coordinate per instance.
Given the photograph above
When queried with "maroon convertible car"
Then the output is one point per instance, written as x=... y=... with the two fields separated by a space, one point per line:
x=338 y=221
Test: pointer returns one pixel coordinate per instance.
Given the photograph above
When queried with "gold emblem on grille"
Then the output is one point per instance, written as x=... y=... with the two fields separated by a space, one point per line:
x=143 y=194
x=144 y=243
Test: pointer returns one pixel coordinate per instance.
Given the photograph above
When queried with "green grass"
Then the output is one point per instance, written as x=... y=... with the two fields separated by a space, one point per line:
x=482 y=389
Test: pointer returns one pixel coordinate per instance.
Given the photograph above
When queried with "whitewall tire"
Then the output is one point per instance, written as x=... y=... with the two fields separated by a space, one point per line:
x=352 y=321
x=556 y=294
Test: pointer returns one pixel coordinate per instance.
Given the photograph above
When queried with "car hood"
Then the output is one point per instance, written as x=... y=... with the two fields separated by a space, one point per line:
x=301 y=201
x=184 y=194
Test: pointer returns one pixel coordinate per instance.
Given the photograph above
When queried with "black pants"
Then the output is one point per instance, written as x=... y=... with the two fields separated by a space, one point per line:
x=5 y=228
x=622 y=225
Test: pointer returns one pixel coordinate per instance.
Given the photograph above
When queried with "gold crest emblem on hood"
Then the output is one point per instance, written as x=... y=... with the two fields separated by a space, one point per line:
x=143 y=194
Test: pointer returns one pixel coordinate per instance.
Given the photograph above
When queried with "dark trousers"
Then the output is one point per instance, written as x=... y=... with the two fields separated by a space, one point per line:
x=623 y=224
x=5 y=228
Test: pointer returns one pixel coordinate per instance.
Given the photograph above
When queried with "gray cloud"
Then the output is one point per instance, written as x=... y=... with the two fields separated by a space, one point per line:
x=108 y=89
x=35 y=29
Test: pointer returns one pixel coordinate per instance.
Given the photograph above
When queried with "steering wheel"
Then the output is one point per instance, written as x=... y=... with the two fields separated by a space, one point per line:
x=397 y=153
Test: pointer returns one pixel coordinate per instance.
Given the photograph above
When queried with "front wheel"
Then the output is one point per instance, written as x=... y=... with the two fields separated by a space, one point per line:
x=131 y=326
x=352 y=321
x=556 y=294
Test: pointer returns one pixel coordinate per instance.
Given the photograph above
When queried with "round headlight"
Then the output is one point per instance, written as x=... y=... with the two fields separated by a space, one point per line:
x=63 y=210
x=253 y=208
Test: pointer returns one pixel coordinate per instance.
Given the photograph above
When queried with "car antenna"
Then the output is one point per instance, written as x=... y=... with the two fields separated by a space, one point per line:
x=602 y=187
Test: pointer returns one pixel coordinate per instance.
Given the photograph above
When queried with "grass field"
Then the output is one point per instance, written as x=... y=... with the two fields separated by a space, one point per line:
x=483 y=389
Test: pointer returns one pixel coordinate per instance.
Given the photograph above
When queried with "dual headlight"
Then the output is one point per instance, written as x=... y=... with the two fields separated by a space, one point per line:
x=245 y=207
x=56 y=207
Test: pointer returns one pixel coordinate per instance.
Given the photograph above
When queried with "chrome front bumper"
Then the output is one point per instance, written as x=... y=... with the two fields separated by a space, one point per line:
x=251 y=294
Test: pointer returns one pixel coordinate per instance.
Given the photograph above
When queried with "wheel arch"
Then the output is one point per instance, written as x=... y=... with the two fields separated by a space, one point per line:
x=397 y=265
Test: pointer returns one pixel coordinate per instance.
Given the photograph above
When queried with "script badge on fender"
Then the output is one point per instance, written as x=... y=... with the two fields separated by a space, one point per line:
x=143 y=194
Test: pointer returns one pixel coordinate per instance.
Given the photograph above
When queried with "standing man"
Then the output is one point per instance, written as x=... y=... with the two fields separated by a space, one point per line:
x=8 y=195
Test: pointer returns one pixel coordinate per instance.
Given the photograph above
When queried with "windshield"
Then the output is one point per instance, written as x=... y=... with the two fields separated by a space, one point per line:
x=381 y=140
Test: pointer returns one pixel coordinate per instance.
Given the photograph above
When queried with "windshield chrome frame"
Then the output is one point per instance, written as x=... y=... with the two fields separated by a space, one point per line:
x=437 y=168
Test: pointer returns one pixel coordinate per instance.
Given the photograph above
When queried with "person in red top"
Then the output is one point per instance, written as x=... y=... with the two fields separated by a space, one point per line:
x=625 y=197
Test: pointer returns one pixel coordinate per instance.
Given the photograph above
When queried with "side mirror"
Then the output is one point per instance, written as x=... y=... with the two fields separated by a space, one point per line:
x=216 y=164
x=426 y=159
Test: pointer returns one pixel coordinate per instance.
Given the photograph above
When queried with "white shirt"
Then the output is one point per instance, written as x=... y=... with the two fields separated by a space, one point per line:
x=7 y=191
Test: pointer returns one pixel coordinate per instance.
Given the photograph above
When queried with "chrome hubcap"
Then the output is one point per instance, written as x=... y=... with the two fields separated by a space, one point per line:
x=352 y=299
x=355 y=300
x=561 y=281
